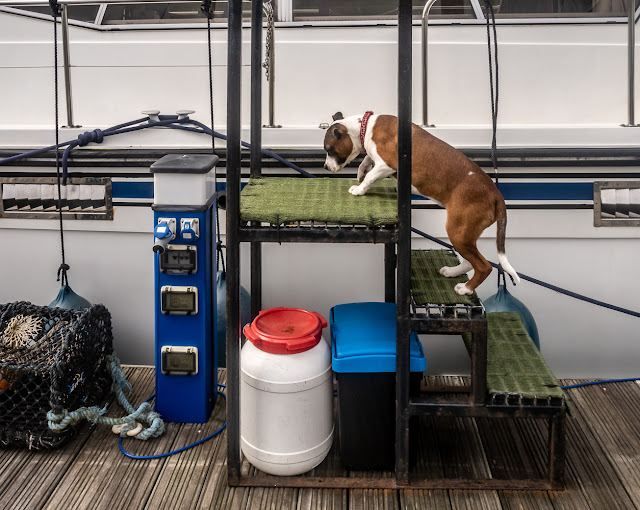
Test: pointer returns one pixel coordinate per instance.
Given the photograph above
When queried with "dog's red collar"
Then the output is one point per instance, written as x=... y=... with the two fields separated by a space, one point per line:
x=363 y=128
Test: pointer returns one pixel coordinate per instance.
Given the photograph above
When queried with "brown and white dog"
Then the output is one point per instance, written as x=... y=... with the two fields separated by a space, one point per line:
x=438 y=171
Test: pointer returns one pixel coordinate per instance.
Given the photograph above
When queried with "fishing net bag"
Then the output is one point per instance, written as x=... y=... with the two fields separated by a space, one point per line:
x=51 y=359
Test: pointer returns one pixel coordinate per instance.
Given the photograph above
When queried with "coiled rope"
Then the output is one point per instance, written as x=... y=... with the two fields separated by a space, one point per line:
x=144 y=414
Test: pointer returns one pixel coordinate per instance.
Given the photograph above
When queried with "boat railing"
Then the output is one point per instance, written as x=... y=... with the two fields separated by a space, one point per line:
x=633 y=16
x=631 y=48
x=425 y=67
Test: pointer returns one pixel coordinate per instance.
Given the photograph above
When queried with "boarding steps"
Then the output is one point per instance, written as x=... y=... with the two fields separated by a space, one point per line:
x=509 y=376
x=275 y=209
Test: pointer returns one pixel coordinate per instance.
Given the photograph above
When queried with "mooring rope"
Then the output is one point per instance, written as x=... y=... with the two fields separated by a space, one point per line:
x=64 y=267
x=144 y=414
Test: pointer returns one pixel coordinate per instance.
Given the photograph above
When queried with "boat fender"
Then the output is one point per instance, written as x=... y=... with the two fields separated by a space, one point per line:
x=221 y=315
x=503 y=301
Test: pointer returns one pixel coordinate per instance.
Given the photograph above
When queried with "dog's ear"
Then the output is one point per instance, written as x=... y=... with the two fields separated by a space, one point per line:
x=338 y=116
x=336 y=132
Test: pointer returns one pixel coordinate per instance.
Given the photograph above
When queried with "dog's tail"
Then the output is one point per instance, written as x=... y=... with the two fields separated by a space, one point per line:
x=501 y=220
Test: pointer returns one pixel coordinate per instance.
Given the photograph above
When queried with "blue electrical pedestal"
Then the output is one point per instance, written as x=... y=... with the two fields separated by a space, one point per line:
x=184 y=234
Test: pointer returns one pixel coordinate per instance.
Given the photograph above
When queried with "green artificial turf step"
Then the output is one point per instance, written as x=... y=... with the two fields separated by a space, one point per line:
x=279 y=200
x=514 y=364
x=428 y=286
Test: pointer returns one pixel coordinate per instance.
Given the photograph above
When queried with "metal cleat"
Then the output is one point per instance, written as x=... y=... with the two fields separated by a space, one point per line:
x=154 y=115
x=184 y=114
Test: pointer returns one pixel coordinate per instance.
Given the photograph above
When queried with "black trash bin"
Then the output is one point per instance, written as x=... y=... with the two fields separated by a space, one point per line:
x=363 y=343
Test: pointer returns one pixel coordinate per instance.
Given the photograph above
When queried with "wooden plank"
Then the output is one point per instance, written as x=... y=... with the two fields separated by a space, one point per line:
x=30 y=478
x=625 y=398
x=182 y=476
x=463 y=457
x=591 y=481
x=216 y=492
x=618 y=437
x=101 y=475
x=272 y=498
x=510 y=459
x=326 y=499
x=427 y=465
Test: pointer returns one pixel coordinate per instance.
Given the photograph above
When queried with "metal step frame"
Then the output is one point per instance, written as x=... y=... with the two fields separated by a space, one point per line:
x=397 y=275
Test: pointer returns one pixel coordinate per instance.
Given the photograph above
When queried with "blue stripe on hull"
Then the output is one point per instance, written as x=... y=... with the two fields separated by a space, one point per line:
x=582 y=191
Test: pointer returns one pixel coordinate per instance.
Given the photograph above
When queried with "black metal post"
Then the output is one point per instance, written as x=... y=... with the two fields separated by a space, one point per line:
x=256 y=146
x=256 y=279
x=479 y=363
x=234 y=66
x=557 y=448
x=404 y=241
x=390 y=272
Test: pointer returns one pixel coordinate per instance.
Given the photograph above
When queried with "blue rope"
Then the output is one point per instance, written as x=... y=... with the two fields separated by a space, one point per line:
x=98 y=135
x=266 y=152
x=170 y=121
x=35 y=152
x=579 y=385
x=179 y=450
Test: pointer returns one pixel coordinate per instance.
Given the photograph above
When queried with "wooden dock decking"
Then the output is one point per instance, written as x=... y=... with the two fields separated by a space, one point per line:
x=603 y=465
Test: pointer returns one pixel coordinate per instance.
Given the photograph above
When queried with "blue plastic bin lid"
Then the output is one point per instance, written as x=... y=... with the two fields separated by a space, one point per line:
x=363 y=339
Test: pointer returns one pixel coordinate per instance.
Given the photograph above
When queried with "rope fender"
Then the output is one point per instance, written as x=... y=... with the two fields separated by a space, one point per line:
x=143 y=414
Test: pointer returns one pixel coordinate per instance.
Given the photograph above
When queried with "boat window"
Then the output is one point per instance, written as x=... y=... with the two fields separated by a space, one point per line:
x=339 y=10
x=188 y=12
x=85 y=13
x=561 y=8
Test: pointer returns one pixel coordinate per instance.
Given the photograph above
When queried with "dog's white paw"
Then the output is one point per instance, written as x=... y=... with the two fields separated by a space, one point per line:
x=356 y=190
x=462 y=290
x=449 y=271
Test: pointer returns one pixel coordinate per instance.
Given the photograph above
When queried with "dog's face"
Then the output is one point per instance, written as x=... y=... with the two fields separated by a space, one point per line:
x=339 y=145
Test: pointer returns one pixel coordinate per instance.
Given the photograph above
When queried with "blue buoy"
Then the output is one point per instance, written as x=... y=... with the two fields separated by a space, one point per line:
x=69 y=300
x=221 y=315
x=502 y=301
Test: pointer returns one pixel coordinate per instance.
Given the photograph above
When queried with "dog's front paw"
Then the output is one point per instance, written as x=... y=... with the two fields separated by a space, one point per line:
x=356 y=190
x=462 y=290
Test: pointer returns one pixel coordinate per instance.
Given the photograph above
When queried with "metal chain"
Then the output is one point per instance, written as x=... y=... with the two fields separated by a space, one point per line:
x=267 y=7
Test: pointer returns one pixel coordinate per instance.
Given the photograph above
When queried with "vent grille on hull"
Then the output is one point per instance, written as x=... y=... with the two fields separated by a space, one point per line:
x=616 y=204
x=83 y=198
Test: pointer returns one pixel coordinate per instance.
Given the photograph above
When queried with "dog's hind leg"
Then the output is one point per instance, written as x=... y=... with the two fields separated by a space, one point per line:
x=452 y=271
x=481 y=267
x=463 y=237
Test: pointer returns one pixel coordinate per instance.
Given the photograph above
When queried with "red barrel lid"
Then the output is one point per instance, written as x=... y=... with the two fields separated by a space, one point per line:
x=285 y=330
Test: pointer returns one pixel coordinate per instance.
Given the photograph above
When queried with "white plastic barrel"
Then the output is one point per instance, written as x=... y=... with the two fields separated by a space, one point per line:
x=286 y=392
